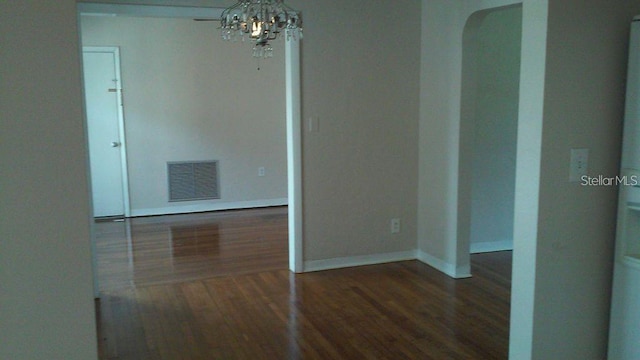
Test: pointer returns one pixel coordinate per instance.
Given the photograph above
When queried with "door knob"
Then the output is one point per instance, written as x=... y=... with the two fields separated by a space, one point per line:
x=115 y=144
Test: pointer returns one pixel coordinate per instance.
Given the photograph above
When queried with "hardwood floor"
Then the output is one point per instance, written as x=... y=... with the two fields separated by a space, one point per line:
x=164 y=249
x=404 y=310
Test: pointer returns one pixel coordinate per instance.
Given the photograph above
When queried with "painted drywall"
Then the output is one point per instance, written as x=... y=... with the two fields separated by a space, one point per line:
x=190 y=96
x=439 y=232
x=563 y=237
x=583 y=107
x=438 y=140
x=560 y=298
x=360 y=167
x=49 y=149
x=494 y=121
x=526 y=203
x=46 y=296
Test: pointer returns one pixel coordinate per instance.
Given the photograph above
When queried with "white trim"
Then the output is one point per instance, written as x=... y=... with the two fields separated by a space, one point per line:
x=191 y=208
x=491 y=246
x=123 y=139
x=170 y=11
x=294 y=150
x=351 y=261
x=459 y=272
x=451 y=270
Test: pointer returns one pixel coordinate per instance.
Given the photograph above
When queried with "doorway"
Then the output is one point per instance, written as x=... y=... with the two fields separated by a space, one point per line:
x=291 y=105
x=105 y=128
x=488 y=130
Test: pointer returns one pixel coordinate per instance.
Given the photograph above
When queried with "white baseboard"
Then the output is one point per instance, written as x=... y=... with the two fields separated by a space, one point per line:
x=459 y=272
x=350 y=261
x=202 y=207
x=491 y=246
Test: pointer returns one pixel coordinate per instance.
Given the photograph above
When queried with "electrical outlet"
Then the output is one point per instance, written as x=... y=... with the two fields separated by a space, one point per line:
x=395 y=226
x=261 y=171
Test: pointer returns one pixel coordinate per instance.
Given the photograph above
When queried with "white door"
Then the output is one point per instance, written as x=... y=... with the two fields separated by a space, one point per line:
x=104 y=126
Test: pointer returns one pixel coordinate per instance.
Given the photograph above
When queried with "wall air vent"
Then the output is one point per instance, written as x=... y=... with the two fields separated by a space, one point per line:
x=189 y=180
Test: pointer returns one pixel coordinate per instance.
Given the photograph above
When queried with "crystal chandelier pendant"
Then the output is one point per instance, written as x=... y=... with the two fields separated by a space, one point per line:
x=262 y=51
x=262 y=21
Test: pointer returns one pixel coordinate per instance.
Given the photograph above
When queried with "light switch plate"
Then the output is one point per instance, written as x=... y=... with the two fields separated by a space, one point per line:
x=314 y=124
x=395 y=226
x=579 y=164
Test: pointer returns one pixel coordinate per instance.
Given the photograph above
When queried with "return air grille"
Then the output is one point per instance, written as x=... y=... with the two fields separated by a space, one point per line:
x=193 y=180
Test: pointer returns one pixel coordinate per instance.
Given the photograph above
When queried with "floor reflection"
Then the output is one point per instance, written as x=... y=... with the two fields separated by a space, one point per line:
x=163 y=249
x=198 y=240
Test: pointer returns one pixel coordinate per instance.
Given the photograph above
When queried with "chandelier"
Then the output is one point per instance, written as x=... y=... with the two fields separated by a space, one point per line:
x=261 y=21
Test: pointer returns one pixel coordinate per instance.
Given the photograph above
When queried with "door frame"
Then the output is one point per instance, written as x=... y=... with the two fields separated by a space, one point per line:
x=294 y=151
x=115 y=51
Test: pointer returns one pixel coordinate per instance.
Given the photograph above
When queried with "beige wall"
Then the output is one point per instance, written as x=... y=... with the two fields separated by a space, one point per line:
x=360 y=169
x=46 y=295
x=583 y=107
x=439 y=230
x=571 y=95
x=190 y=96
x=367 y=107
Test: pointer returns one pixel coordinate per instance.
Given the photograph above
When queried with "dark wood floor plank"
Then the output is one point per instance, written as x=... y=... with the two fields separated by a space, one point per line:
x=216 y=286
